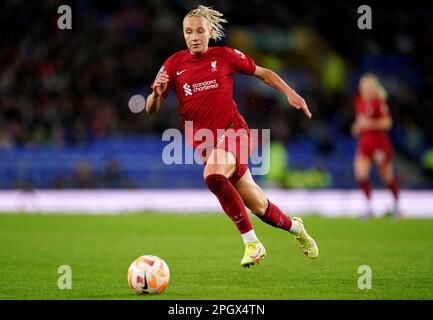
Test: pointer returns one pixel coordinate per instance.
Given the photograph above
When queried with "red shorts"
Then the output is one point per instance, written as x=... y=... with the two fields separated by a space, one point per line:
x=235 y=139
x=379 y=151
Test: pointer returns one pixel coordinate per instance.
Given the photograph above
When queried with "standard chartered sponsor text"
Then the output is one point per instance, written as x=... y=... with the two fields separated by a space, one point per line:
x=205 y=85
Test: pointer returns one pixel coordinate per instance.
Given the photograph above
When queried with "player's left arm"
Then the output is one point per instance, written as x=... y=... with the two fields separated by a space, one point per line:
x=274 y=80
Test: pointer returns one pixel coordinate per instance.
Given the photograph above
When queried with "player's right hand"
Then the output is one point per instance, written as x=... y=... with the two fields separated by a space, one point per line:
x=298 y=102
x=160 y=84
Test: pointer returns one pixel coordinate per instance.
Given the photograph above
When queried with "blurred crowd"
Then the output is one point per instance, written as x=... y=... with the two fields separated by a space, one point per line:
x=68 y=87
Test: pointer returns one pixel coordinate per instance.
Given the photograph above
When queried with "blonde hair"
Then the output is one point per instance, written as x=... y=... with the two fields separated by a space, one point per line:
x=381 y=93
x=213 y=17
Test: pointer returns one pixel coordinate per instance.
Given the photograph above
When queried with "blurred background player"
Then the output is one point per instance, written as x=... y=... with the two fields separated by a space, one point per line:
x=212 y=107
x=372 y=124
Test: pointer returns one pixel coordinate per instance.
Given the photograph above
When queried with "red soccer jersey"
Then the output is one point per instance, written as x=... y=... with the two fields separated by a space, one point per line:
x=204 y=85
x=374 y=144
x=373 y=109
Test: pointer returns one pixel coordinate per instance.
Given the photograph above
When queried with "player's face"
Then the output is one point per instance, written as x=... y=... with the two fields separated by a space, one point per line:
x=197 y=34
x=367 y=89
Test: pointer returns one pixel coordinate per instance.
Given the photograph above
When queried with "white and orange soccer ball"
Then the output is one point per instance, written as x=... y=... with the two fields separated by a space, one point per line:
x=148 y=274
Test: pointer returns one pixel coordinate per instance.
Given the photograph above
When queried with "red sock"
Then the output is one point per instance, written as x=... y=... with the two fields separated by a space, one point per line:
x=230 y=201
x=395 y=188
x=276 y=218
x=366 y=188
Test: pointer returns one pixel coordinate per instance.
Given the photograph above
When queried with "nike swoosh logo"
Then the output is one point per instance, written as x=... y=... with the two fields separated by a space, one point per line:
x=180 y=72
x=145 y=283
x=257 y=256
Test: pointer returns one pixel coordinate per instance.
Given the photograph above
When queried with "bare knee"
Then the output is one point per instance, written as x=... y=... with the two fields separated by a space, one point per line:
x=220 y=162
x=212 y=169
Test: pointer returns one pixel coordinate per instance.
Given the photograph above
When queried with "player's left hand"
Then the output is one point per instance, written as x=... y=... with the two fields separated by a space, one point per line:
x=299 y=103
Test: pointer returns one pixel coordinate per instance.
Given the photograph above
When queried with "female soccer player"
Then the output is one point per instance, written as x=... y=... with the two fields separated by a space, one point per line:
x=371 y=126
x=202 y=78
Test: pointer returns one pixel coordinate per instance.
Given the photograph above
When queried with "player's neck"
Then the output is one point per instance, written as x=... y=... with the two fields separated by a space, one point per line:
x=199 y=54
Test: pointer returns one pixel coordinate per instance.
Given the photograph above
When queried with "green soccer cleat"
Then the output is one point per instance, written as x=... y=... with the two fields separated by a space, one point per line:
x=307 y=244
x=254 y=253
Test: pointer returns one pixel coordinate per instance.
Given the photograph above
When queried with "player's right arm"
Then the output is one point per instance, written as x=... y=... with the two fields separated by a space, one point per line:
x=155 y=99
x=271 y=78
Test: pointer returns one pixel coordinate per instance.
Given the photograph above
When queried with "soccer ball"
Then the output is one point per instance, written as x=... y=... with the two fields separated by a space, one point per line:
x=148 y=275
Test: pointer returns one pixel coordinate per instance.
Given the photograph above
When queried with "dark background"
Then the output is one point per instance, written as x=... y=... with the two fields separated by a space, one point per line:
x=64 y=116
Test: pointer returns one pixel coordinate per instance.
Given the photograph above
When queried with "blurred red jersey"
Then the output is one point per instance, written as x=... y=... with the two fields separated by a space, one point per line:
x=204 y=86
x=374 y=144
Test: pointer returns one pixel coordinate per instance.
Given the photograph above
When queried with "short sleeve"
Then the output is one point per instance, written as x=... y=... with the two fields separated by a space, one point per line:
x=240 y=62
x=165 y=67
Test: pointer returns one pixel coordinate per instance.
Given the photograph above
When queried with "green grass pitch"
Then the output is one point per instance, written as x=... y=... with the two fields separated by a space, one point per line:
x=203 y=252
